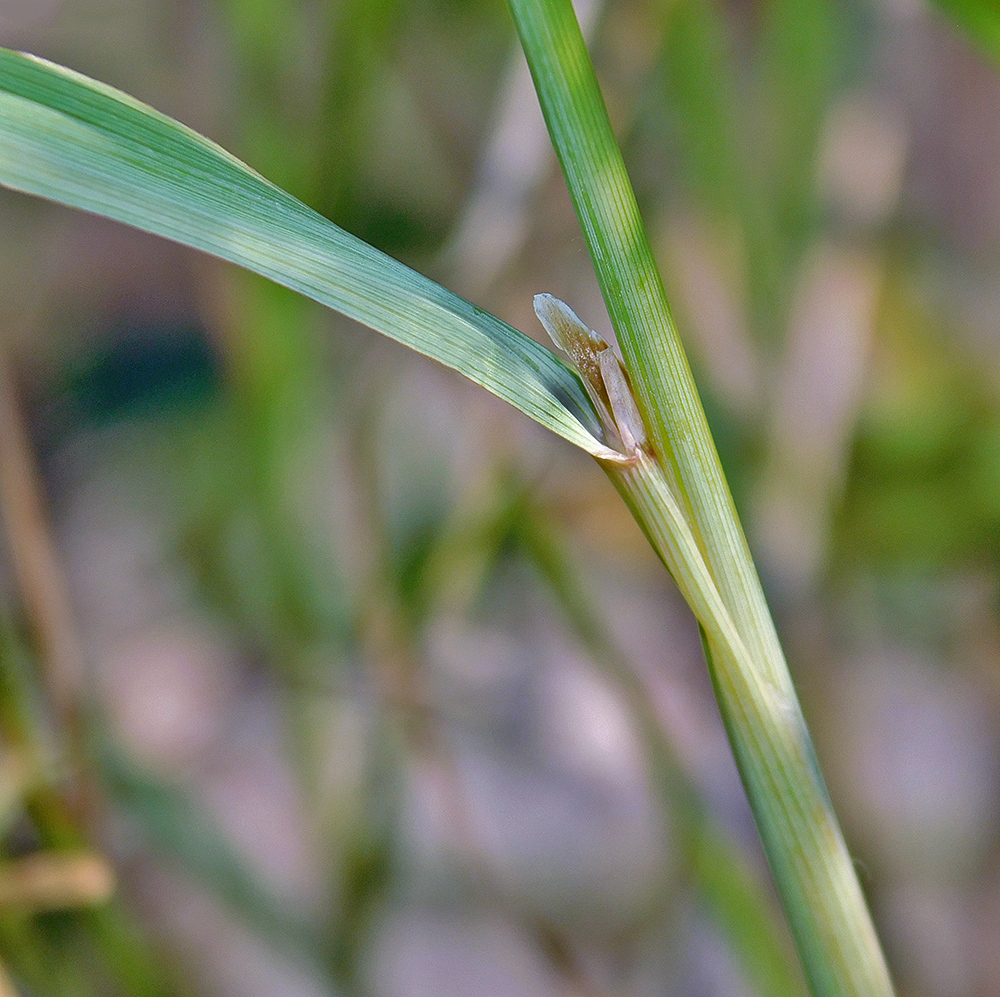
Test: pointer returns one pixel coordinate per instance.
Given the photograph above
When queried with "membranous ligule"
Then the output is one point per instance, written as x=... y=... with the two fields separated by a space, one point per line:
x=604 y=377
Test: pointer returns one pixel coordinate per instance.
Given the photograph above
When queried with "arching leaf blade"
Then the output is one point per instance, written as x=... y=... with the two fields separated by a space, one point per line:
x=72 y=140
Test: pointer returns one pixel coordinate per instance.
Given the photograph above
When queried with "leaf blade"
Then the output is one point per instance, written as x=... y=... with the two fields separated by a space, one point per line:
x=69 y=139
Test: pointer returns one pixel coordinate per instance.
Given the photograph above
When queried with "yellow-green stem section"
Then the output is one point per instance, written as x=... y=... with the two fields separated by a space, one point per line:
x=802 y=839
x=694 y=528
x=633 y=292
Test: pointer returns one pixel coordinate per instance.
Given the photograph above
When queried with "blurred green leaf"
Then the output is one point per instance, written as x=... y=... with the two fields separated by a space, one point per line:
x=980 y=18
x=695 y=63
x=179 y=831
x=741 y=903
x=747 y=130
x=799 y=56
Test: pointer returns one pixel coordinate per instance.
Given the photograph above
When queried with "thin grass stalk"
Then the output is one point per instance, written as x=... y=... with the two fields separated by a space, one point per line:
x=738 y=898
x=633 y=293
x=812 y=868
x=671 y=478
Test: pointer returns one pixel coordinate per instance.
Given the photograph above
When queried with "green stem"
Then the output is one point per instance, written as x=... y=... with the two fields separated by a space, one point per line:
x=805 y=848
x=633 y=293
x=731 y=888
x=677 y=491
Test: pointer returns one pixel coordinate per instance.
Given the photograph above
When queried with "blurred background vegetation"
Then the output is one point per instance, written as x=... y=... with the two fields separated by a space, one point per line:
x=321 y=672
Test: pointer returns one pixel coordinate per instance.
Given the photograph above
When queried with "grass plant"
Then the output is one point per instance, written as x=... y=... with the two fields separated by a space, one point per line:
x=69 y=139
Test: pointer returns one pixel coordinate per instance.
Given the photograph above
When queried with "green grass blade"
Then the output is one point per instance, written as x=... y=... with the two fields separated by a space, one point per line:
x=741 y=903
x=980 y=18
x=680 y=498
x=175 y=829
x=799 y=61
x=699 y=87
x=80 y=143
x=633 y=293
x=812 y=868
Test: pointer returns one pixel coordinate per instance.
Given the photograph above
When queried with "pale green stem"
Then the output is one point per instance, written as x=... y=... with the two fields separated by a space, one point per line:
x=633 y=293
x=805 y=848
x=812 y=868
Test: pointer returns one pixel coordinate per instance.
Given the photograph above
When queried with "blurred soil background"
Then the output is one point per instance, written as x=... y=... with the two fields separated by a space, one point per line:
x=322 y=672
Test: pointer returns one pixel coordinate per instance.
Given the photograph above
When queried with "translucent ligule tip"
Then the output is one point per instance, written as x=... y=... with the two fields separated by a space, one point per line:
x=564 y=327
x=602 y=373
x=623 y=406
